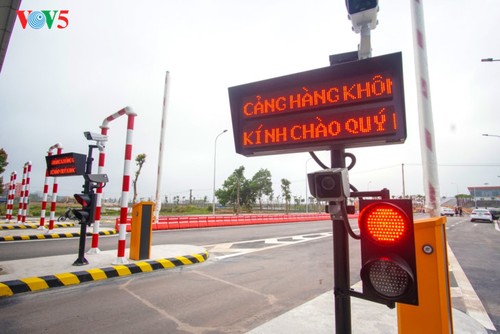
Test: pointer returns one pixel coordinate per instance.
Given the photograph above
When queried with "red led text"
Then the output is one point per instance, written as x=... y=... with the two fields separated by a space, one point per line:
x=319 y=129
x=322 y=96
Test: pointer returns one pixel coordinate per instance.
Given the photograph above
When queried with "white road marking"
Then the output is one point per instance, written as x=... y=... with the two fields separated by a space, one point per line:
x=238 y=248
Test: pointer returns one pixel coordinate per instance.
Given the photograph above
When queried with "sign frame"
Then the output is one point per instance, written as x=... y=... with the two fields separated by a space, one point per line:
x=339 y=119
x=66 y=164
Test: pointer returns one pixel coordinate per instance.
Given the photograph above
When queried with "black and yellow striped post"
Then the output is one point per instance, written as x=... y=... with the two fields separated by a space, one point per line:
x=141 y=232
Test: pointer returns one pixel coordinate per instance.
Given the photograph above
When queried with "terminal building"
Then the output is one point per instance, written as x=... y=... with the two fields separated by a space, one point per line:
x=485 y=196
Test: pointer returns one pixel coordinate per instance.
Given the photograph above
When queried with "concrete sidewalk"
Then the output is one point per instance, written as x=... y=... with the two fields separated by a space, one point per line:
x=317 y=316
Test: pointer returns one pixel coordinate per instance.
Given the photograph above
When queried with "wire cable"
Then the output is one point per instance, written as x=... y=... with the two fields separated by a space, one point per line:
x=346 y=223
x=315 y=157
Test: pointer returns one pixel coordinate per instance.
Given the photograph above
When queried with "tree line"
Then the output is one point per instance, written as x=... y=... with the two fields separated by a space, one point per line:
x=239 y=192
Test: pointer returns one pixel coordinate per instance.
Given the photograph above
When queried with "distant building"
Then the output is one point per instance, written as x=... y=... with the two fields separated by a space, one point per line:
x=485 y=196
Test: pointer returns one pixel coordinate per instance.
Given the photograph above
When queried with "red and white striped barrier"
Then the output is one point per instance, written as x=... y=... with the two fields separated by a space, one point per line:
x=26 y=193
x=185 y=222
x=23 y=200
x=427 y=142
x=10 y=196
x=21 y=196
x=46 y=188
x=122 y=231
x=159 y=171
x=53 y=203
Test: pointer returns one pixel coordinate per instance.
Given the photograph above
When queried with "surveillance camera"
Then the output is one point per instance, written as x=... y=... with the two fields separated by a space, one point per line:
x=95 y=136
x=362 y=13
x=96 y=178
x=329 y=184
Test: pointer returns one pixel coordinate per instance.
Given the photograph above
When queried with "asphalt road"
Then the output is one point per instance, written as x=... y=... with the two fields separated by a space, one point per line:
x=230 y=295
x=477 y=248
x=254 y=274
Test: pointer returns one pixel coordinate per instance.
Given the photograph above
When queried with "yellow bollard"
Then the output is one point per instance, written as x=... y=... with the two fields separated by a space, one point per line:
x=433 y=315
x=141 y=230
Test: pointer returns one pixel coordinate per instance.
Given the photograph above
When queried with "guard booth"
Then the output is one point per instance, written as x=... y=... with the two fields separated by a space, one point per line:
x=141 y=230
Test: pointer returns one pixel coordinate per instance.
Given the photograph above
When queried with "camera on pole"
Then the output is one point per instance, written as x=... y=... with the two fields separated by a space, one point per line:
x=329 y=184
x=362 y=12
x=100 y=139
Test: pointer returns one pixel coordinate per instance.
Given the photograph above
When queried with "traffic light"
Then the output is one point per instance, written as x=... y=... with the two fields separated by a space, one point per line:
x=388 y=268
x=88 y=202
x=329 y=184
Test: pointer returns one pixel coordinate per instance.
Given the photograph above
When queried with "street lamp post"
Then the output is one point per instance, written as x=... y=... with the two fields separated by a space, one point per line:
x=215 y=164
x=489 y=60
x=488 y=135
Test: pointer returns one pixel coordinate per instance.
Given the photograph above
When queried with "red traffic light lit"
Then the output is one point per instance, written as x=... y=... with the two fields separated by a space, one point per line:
x=385 y=222
x=388 y=269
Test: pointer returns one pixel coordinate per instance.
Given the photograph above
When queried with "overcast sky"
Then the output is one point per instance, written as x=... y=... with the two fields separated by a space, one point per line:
x=55 y=84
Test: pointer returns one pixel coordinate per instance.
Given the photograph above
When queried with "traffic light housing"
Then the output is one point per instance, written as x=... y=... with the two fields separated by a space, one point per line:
x=388 y=268
x=88 y=202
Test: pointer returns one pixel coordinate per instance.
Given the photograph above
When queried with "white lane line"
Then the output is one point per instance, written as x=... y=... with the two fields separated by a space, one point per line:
x=473 y=304
x=238 y=248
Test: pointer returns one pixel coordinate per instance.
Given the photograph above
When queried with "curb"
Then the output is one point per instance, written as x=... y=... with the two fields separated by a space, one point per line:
x=32 y=284
x=13 y=226
x=52 y=236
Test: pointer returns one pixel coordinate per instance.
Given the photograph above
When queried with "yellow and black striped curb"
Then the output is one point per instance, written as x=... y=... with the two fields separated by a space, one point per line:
x=14 y=226
x=51 y=236
x=31 y=284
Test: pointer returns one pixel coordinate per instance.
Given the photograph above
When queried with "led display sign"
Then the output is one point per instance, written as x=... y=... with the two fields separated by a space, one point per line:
x=67 y=164
x=352 y=104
